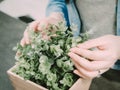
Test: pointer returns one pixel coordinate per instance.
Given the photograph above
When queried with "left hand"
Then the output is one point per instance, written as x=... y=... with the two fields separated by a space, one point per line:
x=91 y=63
x=41 y=25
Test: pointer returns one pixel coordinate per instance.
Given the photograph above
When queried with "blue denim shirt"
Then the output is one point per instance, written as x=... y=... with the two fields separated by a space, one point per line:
x=71 y=15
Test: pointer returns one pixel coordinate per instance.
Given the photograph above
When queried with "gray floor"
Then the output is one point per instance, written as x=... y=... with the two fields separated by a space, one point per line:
x=10 y=33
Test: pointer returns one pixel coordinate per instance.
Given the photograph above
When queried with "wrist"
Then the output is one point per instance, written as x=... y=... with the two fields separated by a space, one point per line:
x=57 y=16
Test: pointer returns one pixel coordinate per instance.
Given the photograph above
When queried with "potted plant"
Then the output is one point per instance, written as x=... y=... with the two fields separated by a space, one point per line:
x=44 y=64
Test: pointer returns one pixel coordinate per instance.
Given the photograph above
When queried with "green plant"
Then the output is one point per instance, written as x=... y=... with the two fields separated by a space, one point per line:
x=45 y=61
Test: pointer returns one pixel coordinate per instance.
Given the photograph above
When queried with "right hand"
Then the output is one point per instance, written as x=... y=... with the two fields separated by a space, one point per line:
x=91 y=63
x=40 y=25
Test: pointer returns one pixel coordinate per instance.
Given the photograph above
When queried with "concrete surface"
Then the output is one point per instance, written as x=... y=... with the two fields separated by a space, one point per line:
x=10 y=33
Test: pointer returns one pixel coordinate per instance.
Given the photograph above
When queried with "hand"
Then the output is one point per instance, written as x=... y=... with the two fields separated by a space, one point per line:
x=40 y=25
x=89 y=63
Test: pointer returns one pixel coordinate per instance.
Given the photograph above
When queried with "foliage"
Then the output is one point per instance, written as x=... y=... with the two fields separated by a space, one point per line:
x=45 y=61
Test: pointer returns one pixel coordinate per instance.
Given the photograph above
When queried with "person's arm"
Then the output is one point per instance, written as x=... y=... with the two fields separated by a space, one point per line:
x=56 y=11
x=58 y=6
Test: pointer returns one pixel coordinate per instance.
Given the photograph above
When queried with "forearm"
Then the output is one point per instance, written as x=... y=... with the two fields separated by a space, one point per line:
x=58 y=6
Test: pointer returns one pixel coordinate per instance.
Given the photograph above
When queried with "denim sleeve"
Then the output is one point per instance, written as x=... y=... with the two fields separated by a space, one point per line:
x=118 y=18
x=58 y=6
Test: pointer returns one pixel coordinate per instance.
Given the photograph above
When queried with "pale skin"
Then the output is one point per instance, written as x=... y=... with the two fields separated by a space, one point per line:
x=41 y=24
x=88 y=62
x=107 y=53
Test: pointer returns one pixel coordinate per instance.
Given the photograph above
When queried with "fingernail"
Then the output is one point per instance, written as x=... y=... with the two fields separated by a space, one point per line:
x=22 y=44
x=27 y=41
x=75 y=72
x=69 y=54
x=72 y=49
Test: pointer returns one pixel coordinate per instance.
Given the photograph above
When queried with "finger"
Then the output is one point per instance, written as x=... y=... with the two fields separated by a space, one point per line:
x=76 y=71
x=92 y=43
x=34 y=25
x=86 y=74
x=43 y=24
x=89 y=54
x=26 y=37
x=22 y=42
x=79 y=74
x=89 y=74
x=80 y=60
x=90 y=65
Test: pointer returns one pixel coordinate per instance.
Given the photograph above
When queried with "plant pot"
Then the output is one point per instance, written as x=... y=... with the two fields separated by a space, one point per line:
x=20 y=84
